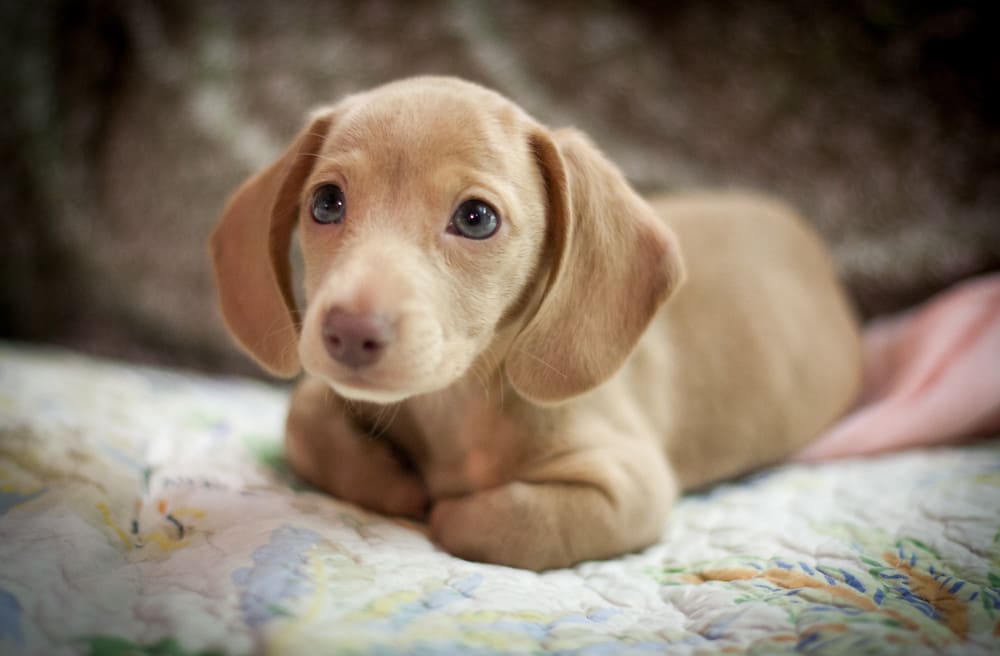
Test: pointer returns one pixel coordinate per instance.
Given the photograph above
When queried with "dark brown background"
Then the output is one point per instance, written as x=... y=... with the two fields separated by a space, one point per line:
x=126 y=124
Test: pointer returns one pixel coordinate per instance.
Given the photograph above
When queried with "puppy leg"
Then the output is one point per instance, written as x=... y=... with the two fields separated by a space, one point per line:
x=327 y=450
x=582 y=506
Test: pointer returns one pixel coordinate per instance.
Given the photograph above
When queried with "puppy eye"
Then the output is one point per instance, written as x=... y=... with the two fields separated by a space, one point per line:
x=474 y=219
x=328 y=205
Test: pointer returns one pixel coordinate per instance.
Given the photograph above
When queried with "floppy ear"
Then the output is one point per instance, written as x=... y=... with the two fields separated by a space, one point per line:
x=250 y=253
x=613 y=263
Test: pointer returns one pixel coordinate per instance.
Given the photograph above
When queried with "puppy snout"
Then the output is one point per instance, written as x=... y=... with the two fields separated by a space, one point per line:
x=356 y=340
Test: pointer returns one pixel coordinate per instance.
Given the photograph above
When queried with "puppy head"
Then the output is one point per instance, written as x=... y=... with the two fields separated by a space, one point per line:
x=439 y=225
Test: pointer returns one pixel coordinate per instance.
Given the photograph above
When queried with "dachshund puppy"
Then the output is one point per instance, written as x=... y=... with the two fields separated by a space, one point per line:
x=502 y=337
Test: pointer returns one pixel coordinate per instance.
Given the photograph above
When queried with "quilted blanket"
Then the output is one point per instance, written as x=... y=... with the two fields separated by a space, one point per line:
x=150 y=511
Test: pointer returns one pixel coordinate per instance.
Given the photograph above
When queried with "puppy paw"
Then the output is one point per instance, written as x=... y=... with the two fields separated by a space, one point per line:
x=359 y=470
x=377 y=480
x=500 y=525
x=390 y=488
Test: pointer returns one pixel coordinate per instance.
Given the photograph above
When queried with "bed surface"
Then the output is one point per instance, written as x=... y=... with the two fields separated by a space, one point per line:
x=149 y=511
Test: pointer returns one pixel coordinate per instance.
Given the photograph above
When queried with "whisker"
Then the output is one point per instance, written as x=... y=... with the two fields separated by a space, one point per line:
x=388 y=413
x=273 y=329
x=542 y=362
x=494 y=366
x=481 y=379
x=393 y=412
x=332 y=397
x=319 y=156
x=374 y=432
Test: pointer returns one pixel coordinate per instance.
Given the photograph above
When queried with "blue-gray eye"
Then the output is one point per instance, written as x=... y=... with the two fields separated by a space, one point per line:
x=328 y=205
x=474 y=219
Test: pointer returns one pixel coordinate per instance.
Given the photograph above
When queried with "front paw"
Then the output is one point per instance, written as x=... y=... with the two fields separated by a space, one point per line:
x=359 y=470
x=503 y=525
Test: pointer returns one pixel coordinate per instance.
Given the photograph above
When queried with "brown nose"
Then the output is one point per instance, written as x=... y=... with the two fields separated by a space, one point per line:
x=355 y=340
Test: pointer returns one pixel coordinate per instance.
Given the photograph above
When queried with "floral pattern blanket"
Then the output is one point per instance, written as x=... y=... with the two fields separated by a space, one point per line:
x=145 y=511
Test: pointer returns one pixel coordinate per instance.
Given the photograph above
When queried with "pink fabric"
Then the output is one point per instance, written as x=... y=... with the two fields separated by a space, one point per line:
x=932 y=376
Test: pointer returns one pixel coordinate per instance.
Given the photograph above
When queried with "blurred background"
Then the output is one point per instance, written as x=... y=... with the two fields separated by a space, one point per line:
x=127 y=123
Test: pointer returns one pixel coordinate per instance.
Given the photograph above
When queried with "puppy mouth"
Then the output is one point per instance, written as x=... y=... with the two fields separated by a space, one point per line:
x=361 y=386
x=378 y=385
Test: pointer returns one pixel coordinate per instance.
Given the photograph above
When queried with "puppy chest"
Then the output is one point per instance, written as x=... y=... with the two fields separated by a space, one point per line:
x=459 y=452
